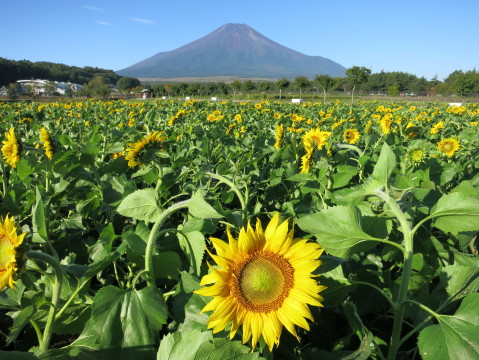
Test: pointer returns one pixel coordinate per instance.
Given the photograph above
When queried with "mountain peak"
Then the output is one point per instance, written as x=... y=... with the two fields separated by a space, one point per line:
x=233 y=50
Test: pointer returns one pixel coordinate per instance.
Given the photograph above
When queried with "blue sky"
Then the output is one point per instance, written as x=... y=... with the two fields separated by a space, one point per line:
x=424 y=38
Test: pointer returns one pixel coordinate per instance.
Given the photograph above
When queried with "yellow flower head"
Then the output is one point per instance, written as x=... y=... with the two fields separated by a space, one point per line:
x=351 y=136
x=438 y=126
x=315 y=138
x=416 y=155
x=448 y=146
x=11 y=148
x=306 y=162
x=264 y=282
x=143 y=150
x=9 y=242
x=279 y=136
x=45 y=138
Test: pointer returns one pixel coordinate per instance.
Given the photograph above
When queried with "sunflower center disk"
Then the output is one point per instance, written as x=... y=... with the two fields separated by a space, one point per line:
x=261 y=281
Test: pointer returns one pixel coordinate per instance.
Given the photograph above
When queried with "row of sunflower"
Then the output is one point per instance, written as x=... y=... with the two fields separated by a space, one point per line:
x=156 y=207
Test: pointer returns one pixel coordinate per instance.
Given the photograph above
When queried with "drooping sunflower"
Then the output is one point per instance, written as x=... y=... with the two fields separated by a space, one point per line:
x=11 y=148
x=306 y=162
x=9 y=242
x=264 y=282
x=143 y=150
x=279 y=136
x=351 y=136
x=437 y=127
x=46 y=139
x=448 y=146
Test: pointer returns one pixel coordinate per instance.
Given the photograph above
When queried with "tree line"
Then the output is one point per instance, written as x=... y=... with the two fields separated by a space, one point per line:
x=357 y=80
x=13 y=70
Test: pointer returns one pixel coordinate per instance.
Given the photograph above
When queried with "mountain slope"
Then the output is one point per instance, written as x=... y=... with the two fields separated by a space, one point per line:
x=233 y=50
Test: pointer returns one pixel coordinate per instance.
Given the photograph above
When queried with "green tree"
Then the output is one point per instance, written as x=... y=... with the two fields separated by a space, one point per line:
x=324 y=82
x=282 y=84
x=12 y=90
x=96 y=88
x=393 y=90
x=301 y=83
x=357 y=76
x=236 y=86
x=127 y=83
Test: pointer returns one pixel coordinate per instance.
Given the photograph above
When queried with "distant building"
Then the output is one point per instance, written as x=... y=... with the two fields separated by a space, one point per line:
x=47 y=87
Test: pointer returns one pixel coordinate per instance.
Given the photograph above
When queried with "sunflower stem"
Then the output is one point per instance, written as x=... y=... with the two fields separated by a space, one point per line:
x=150 y=245
x=57 y=287
x=237 y=192
x=401 y=301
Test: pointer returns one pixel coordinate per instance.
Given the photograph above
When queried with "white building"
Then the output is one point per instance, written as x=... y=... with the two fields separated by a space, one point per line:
x=47 y=87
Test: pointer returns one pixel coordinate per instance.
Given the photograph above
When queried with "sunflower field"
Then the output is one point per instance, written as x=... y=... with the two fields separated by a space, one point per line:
x=168 y=229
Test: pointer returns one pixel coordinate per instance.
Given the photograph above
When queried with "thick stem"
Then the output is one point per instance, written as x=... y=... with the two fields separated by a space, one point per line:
x=406 y=275
x=57 y=287
x=237 y=192
x=150 y=245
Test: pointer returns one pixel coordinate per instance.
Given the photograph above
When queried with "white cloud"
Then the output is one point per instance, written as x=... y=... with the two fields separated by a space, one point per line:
x=88 y=7
x=144 y=21
x=104 y=23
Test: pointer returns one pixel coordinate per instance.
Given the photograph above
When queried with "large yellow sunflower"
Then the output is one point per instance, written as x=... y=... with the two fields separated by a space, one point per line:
x=448 y=146
x=141 y=151
x=315 y=138
x=264 y=282
x=9 y=241
x=11 y=148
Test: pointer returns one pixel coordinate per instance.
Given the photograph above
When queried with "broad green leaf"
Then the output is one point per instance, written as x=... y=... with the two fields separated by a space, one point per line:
x=182 y=345
x=461 y=279
x=432 y=344
x=167 y=265
x=141 y=205
x=224 y=349
x=456 y=212
x=127 y=322
x=344 y=173
x=385 y=165
x=338 y=230
x=198 y=207
x=193 y=244
x=455 y=335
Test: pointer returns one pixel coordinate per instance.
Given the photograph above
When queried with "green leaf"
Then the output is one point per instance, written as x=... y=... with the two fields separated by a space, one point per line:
x=167 y=265
x=432 y=344
x=338 y=230
x=456 y=212
x=385 y=165
x=127 y=322
x=197 y=345
x=193 y=245
x=198 y=207
x=224 y=349
x=182 y=345
x=461 y=279
x=455 y=335
x=141 y=205
x=38 y=219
